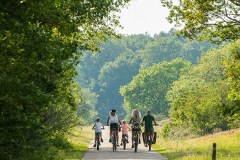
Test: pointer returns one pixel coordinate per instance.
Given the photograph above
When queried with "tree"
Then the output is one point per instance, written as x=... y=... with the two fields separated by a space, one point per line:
x=199 y=100
x=216 y=20
x=233 y=71
x=148 y=89
x=40 y=43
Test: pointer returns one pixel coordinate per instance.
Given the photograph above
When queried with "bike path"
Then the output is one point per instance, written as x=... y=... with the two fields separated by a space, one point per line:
x=105 y=151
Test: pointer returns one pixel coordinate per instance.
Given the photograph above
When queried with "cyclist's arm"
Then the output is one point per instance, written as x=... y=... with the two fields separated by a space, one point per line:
x=108 y=120
x=93 y=126
x=130 y=121
x=143 y=120
x=119 y=121
x=102 y=126
x=155 y=123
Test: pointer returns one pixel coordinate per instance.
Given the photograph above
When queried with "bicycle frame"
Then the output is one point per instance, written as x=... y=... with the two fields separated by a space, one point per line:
x=114 y=139
x=135 y=139
x=97 y=140
x=124 y=140
x=149 y=140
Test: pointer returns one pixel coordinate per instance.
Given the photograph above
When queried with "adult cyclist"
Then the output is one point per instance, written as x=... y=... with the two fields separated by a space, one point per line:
x=148 y=120
x=113 y=121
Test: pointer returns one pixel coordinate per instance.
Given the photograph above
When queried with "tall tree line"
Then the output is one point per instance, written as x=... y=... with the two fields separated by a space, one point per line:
x=119 y=60
x=40 y=45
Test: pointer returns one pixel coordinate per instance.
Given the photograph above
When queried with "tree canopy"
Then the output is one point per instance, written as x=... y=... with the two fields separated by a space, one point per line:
x=216 y=20
x=199 y=100
x=119 y=60
x=40 y=43
x=148 y=89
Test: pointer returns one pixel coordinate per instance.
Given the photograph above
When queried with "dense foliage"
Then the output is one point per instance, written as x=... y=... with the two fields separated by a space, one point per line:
x=119 y=60
x=216 y=20
x=200 y=100
x=40 y=43
x=147 y=90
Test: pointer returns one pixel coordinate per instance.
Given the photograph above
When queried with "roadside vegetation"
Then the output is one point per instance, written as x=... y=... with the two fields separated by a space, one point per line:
x=201 y=148
x=76 y=143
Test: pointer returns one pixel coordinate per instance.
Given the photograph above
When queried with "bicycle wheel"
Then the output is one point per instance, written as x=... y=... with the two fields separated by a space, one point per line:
x=98 y=143
x=114 y=142
x=136 y=144
x=149 y=143
x=124 y=143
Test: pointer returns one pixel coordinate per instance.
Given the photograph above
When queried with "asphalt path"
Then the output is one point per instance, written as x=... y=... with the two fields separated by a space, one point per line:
x=105 y=151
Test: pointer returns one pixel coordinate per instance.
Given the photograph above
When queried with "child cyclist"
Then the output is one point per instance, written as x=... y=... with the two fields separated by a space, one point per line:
x=124 y=128
x=98 y=130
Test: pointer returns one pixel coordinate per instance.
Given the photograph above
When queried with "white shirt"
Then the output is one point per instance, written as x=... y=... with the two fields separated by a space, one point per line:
x=98 y=127
x=113 y=119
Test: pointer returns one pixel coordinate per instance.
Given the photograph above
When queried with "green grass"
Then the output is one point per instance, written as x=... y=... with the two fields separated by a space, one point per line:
x=79 y=140
x=228 y=147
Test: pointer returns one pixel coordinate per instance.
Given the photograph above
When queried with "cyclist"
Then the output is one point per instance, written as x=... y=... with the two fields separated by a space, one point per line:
x=125 y=128
x=136 y=121
x=113 y=120
x=148 y=120
x=98 y=130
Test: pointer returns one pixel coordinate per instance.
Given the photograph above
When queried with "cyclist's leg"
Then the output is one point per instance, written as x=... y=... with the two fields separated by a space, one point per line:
x=110 y=134
x=101 y=136
x=145 y=136
x=95 y=139
x=139 y=134
x=117 y=138
x=152 y=132
x=132 y=134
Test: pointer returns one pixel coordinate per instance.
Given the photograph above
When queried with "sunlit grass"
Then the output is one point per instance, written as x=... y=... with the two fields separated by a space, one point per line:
x=228 y=147
x=79 y=140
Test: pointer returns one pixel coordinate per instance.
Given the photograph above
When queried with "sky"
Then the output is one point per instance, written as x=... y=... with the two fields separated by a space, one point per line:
x=144 y=16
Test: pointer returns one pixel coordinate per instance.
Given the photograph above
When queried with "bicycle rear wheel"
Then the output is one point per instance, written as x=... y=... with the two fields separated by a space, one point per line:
x=149 y=146
x=124 y=143
x=149 y=142
x=114 y=142
x=97 y=146
x=136 y=143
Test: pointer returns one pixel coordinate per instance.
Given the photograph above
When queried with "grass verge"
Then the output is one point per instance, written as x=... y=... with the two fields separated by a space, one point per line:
x=228 y=147
x=79 y=139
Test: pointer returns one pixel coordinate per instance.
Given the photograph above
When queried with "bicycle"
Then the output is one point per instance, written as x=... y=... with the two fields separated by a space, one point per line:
x=124 y=141
x=149 y=139
x=114 y=139
x=97 y=139
x=136 y=128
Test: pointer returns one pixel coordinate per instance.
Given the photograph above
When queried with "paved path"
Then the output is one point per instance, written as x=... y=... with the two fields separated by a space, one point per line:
x=105 y=152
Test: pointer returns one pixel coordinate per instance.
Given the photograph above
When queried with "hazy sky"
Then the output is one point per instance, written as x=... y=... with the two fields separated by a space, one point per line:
x=143 y=16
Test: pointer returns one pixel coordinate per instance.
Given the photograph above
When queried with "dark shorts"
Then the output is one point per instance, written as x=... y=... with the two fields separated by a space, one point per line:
x=98 y=133
x=149 y=129
x=113 y=126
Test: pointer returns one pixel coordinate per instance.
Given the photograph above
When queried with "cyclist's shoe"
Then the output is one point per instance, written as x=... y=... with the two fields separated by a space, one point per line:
x=146 y=145
x=132 y=146
x=110 y=140
x=101 y=140
x=120 y=144
x=94 y=145
x=127 y=141
x=153 y=142
x=117 y=145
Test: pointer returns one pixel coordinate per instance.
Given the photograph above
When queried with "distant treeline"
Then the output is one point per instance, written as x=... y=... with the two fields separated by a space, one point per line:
x=189 y=81
x=102 y=74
